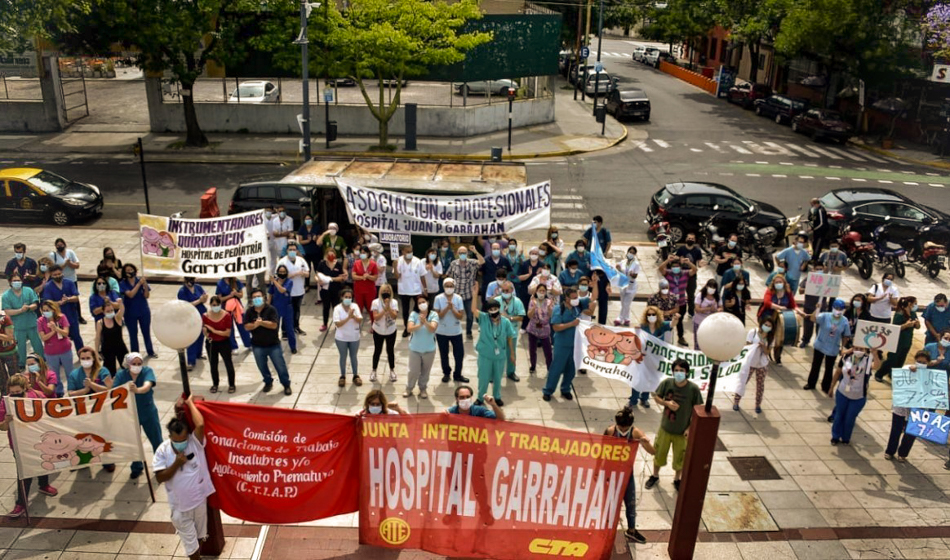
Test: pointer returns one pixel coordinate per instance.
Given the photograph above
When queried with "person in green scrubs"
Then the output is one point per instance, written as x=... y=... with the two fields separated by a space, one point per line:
x=20 y=303
x=496 y=345
x=512 y=309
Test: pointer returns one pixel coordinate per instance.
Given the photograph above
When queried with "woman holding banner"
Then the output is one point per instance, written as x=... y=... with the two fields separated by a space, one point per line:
x=851 y=378
x=623 y=428
x=19 y=389
x=778 y=298
x=377 y=403
x=89 y=377
x=900 y=441
x=906 y=318
x=143 y=377
x=940 y=352
x=653 y=324
x=53 y=327
x=761 y=338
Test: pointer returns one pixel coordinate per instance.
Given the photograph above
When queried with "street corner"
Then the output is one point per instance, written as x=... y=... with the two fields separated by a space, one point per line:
x=915 y=157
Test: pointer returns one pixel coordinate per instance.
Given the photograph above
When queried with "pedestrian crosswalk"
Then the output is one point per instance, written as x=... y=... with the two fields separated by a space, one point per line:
x=764 y=148
x=568 y=211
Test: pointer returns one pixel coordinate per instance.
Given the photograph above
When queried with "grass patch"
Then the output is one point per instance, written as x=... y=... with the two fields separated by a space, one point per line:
x=180 y=145
x=388 y=148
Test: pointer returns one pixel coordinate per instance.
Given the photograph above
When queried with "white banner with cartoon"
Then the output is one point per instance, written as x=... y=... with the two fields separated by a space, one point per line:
x=642 y=361
x=206 y=248
x=52 y=435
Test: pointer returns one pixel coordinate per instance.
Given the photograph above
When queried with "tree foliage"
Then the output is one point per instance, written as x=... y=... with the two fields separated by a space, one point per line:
x=936 y=26
x=751 y=22
x=24 y=21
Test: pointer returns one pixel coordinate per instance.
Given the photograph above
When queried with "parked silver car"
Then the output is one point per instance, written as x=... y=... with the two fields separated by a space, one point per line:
x=601 y=81
x=255 y=92
x=487 y=87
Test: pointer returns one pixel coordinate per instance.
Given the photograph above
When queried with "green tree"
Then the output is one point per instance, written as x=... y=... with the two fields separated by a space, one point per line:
x=750 y=22
x=685 y=21
x=22 y=22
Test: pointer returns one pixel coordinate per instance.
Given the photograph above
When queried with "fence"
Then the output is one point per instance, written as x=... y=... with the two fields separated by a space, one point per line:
x=344 y=92
x=14 y=87
x=698 y=80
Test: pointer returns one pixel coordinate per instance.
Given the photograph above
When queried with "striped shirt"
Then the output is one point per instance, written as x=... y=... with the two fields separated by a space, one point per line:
x=678 y=285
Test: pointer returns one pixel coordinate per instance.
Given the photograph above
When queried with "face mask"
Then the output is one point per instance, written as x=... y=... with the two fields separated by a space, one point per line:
x=740 y=287
x=364 y=256
x=554 y=235
x=282 y=275
x=512 y=249
x=679 y=376
x=496 y=253
x=347 y=301
x=387 y=296
x=780 y=269
x=506 y=295
x=465 y=404
x=58 y=279
x=631 y=256
x=799 y=246
x=690 y=242
x=444 y=249
x=216 y=308
x=423 y=307
x=836 y=313
x=580 y=250
x=463 y=256
x=888 y=283
x=573 y=270
x=833 y=249
x=540 y=295
x=258 y=301
x=190 y=283
x=283 y=215
x=575 y=302
x=432 y=257
x=665 y=291
x=583 y=289
x=651 y=319
x=913 y=307
x=737 y=267
x=534 y=258
x=677 y=270
x=766 y=329
x=43 y=268
x=375 y=409
x=856 y=304
x=110 y=314
x=945 y=343
x=858 y=353
x=449 y=291
x=19 y=256
x=48 y=314
x=101 y=287
x=86 y=363
x=34 y=368
x=130 y=274
x=331 y=258
x=732 y=244
x=308 y=222
x=494 y=312
x=333 y=231
x=268 y=214
x=408 y=257
x=180 y=446
x=16 y=284
x=135 y=369
x=941 y=308
x=292 y=254
x=779 y=286
x=710 y=291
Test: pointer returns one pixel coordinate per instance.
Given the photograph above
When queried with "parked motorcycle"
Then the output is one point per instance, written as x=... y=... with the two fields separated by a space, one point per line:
x=758 y=242
x=708 y=238
x=860 y=253
x=661 y=234
x=888 y=253
x=928 y=250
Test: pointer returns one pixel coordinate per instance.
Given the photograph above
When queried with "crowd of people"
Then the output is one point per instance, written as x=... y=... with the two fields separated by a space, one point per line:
x=507 y=290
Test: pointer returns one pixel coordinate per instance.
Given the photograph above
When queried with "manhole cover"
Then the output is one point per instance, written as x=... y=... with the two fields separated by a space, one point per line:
x=754 y=468
x=720 y=446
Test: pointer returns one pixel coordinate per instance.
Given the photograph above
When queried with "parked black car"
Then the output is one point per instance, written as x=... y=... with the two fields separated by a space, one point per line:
x=631 y=103
x=267 y=191
x=746 y=94
x=27 y=192
x=822 y=123
x=684 y=205
x=780 y=107
x=866 y=209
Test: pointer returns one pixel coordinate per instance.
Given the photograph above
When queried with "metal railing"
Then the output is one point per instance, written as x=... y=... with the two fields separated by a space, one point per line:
x=16 y=88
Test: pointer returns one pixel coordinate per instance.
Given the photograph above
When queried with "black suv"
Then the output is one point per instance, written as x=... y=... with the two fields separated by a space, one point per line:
x=685 y=205
x=629 y=103
x=254 y=195
x=780 y=107
x=866 y=209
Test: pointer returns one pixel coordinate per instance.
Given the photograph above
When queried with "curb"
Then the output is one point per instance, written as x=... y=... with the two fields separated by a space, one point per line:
x=890 y=154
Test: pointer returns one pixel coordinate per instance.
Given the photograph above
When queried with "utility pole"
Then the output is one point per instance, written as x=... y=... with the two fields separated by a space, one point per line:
x=305 y=7
x=577 y=53
x=586 y=42
x=141 y=153
x=326 y=71
x=600 y=43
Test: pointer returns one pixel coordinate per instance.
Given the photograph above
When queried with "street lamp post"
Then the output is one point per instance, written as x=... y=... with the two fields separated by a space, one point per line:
x=177 y=324
x=600 y=43
x=721 y=337
x=305 y=74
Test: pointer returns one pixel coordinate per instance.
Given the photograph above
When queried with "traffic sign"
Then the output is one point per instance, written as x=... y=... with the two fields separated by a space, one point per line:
x=585 y=52
x=598 y=67
x=328 y=95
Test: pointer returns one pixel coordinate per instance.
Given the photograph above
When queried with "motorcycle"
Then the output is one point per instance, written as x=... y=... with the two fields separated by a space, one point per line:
x=758 y=242
x=927 y=253
x=797 y=225
x=708 y=238
x=887 y=253
x=661 y=233
x=859 y=253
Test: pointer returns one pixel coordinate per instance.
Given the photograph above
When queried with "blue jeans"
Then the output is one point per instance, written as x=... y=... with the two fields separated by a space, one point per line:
x=74 y=335
x=195 y=349
x=245 y=336
x=133 y=323
x=561 y=365
x=630 y=503
x=286 y=314
x=61 y=365
x=635 y=396
x=276 y=355
x=348 y=348
x=846 y=415
x=792 y=284
x=153 y=431
x=458 y=352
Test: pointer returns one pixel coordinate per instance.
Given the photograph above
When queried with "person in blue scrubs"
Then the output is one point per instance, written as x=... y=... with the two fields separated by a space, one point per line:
x=564 y=322
x=144 y=379
x=196 y=296
x=101 y=292
x=65 y=293
x=135 y=294
x=280 y=298
x=232 y=288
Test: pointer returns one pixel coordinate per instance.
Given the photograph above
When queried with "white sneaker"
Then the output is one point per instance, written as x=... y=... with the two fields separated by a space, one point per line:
x=392 y=375
x=372 y=377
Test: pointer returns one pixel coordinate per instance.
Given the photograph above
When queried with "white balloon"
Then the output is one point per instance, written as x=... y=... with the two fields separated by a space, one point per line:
x=721 y=336
x=176 y=324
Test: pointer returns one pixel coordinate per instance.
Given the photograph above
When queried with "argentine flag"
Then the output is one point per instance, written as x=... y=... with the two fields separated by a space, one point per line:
x=598 y=262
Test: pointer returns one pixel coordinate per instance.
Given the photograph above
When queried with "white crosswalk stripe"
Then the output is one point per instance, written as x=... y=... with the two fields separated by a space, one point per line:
x=661 y=143
x=739 y=149
x=824 y=152
x=642 y=145
x=802 y=150
x=873 y=158
x=846 y=154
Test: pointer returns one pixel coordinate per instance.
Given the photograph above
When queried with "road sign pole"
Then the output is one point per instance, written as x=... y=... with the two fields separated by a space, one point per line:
x=600 y=42
x=148 y=208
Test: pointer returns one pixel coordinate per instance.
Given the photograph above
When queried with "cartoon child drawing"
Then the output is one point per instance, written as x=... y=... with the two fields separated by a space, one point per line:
x=58 y=451
x=91 y=447
x=629 y=349
x=151 y=241
x=601 y=343
x=166 y=244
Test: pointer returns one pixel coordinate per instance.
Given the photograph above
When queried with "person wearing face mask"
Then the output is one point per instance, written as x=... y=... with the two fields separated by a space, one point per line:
x=851 y=379
x=761 y=339
x=666 y=302
x=820 y=226
x=725 y=254
x=283 y=232
x=858 y=310
x=135 y=293
x=513 y=310
x=45 y=276
x=516 y=259
x=677 y=395
x=446 y=256
x=736 y=272
x=581 y=256
x=570 y=276
x=109 y=259
x=737 y=299
x=348 y=261
x=450 y=307
x=495 y=260
x=192 y=293
x=279 y=296
x=377 y=403
x=261 y=320
x=603 y=234
x=623 y=428
x=19 y=387
x=312 y=250
x=527 y=272
x=796 y=259
x=410 y=282
x=677 y=271
x=940 y=352
x=495 y=348
x=67 y=260
x=65 y=293
x=883 y=297
x=832 y=328
x=780 y=269
x=143 y=377
x=217 y=326
x=90 y=377
x=271 y=224
x=19 y=302
x=383 y=311
x=433 y=276
x=653 y=322
x=331 y=276
x=422 y=325
x=906 y=321
x=365 y=273
x=101 y=291
x=811 y=304
x=834 y=259
x=548 y=256
x=298 y=271
x=631 y=268
x=466 y=407
x=706 y=304
x=548 y=279
x=899 y=442
x=347 y=319
x=231 y=292
x=778 y=299
x=564 y=323
x=936 y=318
x=553 y=246
x=8 y=358
x=464 y=270
x=330 y=239
x=540 y=310
x=27 y=268
x=376 y=255
x=41 y=378
x=501 y=276
x=109 y=341
x=693 y=252
x=180 y=464
x=53 y=327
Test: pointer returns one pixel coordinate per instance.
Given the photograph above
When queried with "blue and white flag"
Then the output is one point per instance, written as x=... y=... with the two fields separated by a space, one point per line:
x=598 y=262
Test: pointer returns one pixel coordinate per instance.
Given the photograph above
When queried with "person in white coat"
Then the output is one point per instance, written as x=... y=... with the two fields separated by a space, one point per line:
x=631 y=268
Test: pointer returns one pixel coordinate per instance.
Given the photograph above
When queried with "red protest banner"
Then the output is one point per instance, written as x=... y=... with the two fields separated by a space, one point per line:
x=462 y=486
x=275 y=465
